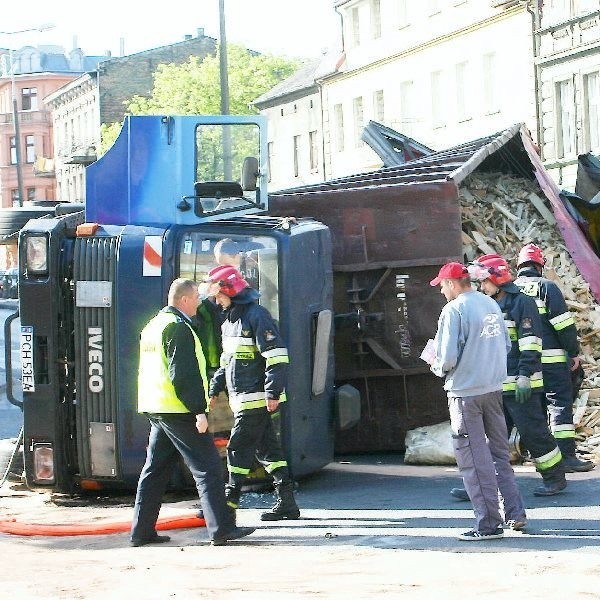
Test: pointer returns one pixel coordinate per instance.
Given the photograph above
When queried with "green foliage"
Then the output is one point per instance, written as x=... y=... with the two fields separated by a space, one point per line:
x=193 y=88
x=108 y=134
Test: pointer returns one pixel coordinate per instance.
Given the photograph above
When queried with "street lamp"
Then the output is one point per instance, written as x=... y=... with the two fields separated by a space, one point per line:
x=17 y=129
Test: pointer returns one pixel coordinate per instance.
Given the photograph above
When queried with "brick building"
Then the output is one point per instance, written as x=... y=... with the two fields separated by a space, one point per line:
x=81 y=106
x=37 y=72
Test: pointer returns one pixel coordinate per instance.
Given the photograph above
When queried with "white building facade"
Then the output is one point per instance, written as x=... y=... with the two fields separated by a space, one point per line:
x=76 y=127
x=568 y=90
x=440 y=71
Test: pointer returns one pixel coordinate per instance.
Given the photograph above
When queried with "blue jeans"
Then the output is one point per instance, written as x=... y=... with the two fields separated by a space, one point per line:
x=172 y=435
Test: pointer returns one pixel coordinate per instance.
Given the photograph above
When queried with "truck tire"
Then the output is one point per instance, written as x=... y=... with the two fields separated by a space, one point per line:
x=7 y=447
x=13 y=219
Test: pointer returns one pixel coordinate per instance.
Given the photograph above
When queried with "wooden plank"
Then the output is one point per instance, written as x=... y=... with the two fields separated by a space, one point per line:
x=542 y=209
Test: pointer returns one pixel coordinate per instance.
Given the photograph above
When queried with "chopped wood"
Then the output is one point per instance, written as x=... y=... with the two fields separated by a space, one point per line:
x=501 y=213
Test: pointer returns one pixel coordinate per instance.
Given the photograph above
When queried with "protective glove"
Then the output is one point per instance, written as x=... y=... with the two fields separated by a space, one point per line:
x=523 y=390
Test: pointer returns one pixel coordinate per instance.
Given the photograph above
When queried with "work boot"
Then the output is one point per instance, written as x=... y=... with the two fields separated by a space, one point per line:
x=459 y=494
x=553 y=483
x=232 y=497
x=572 y=464
x=285 y=507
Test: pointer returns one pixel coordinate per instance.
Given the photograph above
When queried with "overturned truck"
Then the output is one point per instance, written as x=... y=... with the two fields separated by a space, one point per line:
x=391 y=230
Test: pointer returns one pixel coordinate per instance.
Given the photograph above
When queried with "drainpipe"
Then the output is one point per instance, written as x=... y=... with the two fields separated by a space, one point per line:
x=537 y=84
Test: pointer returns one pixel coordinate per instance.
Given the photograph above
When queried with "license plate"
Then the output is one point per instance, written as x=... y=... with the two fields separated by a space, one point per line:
x=27 y=375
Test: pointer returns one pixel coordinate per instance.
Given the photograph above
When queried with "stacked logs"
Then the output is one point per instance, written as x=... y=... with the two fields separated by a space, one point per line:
x=501 y=213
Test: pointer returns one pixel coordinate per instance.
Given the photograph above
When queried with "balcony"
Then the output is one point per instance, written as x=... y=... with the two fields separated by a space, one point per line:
x=43 y=167
x=26 y=117
x=79 y=154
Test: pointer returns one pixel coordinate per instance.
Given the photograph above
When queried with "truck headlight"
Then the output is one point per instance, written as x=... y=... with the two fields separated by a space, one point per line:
x=36 y=248
x=43 y=463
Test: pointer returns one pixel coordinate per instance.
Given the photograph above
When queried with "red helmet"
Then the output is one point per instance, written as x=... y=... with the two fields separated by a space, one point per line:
x=230 y=280
x=497 y=267
x=531 y=253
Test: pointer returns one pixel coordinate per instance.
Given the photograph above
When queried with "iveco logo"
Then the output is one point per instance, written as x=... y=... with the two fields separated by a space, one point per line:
x=95 y=360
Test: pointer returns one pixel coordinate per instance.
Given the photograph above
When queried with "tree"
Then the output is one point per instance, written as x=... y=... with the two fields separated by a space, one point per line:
x=192 y=88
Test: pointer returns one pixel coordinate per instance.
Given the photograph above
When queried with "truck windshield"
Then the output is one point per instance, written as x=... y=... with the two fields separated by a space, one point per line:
x=221 y=150
x=254 y=256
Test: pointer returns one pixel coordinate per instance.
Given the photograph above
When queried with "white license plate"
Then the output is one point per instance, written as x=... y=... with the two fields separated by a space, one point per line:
x=27 y=376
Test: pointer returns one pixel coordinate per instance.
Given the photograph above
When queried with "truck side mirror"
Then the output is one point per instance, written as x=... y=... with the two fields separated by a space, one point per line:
x=347 y=407
x=250 y=173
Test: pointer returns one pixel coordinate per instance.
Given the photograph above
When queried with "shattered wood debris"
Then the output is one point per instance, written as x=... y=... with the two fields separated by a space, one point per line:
x=501 y=213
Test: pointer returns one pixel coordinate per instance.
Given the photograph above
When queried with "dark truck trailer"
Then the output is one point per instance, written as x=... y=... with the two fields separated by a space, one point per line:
x=391 y=230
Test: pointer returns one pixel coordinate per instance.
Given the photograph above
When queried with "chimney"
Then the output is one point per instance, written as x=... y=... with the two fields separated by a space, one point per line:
x=187 y=37
x=75 y=43
x=200 y=32
x=108 y=53
x=121 y=46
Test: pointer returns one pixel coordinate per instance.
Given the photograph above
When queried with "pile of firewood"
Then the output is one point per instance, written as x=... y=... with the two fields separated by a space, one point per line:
x=501 y=213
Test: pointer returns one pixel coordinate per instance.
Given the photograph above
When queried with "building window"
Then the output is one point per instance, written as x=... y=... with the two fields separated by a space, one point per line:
x=403 y=19
x=13 y=150
x=29 y=100
x=378 y=106
x=462 y=109
x=296 y=155
x=490 y=97
x=29 y=149
x=407 y=106
x=270 y=150
x=338 y=115
x=313 y=151
x=14 y=197
x=355 y=25
x=31 y=194
x=375 y=19
x=592 y=111
x=437 y=100
x=357 y=107
x=565 y=117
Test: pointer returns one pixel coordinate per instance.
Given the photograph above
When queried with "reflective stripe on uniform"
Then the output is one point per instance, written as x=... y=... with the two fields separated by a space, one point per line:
x=530 y=342
x=231 y=343
x=541 y=306
x=512 y=329
x=239 y=470
x=562 y=321
x=561 y=432
x=275 y=465
x=276 y=356
x=548 y=460
x=535 y=381
x=555 y=355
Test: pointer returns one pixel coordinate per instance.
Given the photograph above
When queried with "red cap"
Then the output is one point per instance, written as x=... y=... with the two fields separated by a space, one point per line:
x=453 y=270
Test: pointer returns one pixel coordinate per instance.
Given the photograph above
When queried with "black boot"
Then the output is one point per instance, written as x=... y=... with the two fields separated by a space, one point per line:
x=554 y=482
x=571 y=463
x=285 y=507
x=232 y=497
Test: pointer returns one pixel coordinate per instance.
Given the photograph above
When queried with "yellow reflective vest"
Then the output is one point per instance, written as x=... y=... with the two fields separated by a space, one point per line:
x=156 y=393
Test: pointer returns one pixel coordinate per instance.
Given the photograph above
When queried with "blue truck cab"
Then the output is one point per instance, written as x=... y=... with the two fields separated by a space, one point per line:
x=157 y=203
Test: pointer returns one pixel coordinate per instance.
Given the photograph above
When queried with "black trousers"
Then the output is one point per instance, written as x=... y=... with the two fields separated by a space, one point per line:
x=253 y=436
x=172 y=435
x=530 y=420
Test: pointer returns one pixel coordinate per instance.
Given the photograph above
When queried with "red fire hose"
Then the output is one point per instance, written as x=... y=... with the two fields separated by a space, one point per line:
x=14 y=527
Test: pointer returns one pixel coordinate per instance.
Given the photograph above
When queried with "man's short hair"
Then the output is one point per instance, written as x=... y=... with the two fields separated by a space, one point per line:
x=227 y=246
x=182 y=287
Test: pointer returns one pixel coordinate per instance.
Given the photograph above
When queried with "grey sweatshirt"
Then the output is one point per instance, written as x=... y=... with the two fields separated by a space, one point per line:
x=471 y=345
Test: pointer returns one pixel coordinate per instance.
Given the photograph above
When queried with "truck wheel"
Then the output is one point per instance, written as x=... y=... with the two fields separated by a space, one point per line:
x=7 y=447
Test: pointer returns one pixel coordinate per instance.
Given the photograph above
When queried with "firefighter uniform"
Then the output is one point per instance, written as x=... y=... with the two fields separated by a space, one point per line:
x=560 y=345
x=253 y=370
x=524 y=359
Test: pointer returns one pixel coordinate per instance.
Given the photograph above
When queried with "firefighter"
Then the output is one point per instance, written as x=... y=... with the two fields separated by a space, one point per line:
x=559 y=354
x=523 y=388
x=254 y=370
